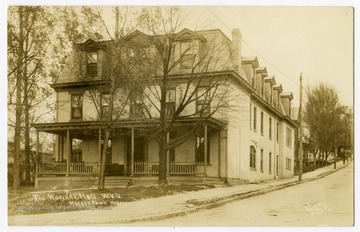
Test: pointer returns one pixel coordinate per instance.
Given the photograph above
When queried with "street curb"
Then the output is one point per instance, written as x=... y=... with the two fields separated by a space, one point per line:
x=219 y=201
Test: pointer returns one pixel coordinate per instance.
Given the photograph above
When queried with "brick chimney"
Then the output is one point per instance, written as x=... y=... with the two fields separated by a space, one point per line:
x=236 y=53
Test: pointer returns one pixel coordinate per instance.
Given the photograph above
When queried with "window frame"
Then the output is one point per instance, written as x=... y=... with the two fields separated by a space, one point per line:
x=91 y=66
x=270 y=163
x=170 y=102
x=203 y=105
x=262 y=123
x=255 y=119
x=252 y=158
x=270 y=128
x=136 y=106
x=288 y=164
x=188 y=50
x=80 y=108
x=262 y=160
x=104 y=106
x=288 y=137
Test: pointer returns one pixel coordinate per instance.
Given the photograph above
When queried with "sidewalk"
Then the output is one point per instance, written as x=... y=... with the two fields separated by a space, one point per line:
x=167 y=206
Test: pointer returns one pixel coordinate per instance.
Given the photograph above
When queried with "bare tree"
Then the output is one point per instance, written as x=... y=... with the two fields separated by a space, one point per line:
x=197 y=84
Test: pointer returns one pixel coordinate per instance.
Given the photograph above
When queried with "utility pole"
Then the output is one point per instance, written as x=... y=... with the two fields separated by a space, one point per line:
x=301 y=133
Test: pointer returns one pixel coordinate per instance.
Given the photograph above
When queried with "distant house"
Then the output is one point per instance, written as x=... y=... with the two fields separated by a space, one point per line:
x=254 y=142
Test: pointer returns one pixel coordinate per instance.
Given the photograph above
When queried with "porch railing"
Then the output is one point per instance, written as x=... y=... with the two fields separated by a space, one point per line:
x=181 y=168
x=84 y=167
x=59 y=168
x=146 y=168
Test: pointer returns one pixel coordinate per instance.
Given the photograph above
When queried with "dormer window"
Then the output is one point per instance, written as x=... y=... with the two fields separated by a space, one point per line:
x=188 y=51
x=92 y=59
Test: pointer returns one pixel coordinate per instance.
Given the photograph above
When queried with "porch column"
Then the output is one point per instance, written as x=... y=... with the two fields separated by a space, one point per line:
x=132 y=152
x=205 y=148
x=99 y=149
x=68 y=150
x=167 y=155
x=37 y=154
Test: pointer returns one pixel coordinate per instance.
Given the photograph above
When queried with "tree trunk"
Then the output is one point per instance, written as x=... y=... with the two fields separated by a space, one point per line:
x=101 y=183
x=162 y=181
x=18 y=113
x=27 y=120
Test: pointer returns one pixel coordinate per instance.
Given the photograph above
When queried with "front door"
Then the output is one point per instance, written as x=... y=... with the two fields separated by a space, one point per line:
x=139 y=151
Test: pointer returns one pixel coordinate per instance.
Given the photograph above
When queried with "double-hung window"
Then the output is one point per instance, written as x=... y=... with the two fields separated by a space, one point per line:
x=203 y=100
x=262 y=123
x=254 y=119
x=288 y=164
x=270 y=163
x=261 y=160
x=105 y=103
x=188 y=51
x=252 y=157
x=170 y=102
x=270 y=128
x=288 y=137
x=137 y=106
x=92 y=60
x=76 y=106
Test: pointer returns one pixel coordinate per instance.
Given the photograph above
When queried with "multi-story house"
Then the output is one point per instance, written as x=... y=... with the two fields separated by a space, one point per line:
x=250 y=138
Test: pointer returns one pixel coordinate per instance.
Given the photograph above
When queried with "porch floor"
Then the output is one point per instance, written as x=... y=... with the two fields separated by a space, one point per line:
x=116 y=181
x=119 y=181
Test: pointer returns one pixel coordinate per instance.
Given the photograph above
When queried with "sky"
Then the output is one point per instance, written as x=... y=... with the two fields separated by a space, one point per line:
x=314 y=41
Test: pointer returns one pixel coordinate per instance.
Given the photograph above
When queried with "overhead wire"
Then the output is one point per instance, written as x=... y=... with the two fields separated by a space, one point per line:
x=262 y=57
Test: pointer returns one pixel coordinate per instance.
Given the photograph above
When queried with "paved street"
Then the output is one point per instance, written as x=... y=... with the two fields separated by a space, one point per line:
x=327 y=201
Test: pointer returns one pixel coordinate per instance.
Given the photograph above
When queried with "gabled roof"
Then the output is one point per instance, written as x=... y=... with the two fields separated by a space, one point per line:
x=188 y=34
x=90 y=44
x=136 y=33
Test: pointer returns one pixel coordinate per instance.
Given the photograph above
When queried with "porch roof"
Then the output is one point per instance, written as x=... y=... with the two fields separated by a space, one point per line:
x=90 y=127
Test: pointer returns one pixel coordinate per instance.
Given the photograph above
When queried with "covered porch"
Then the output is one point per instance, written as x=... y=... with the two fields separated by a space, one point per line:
x=131 y=153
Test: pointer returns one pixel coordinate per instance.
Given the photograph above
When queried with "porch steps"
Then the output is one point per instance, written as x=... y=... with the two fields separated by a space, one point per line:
x=122 y=181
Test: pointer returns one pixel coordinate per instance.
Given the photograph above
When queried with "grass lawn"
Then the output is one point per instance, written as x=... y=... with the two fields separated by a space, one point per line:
x=29 y=200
